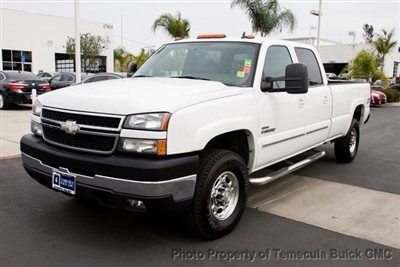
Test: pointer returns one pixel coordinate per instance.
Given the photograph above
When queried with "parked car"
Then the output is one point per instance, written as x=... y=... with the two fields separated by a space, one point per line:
x=100 y=77
x=190 y=131
x=331 y=75
x=46 y=76
x=62 y=80
x=16 y=87
x=378 y=98
x=378 y=84
x=395 y=86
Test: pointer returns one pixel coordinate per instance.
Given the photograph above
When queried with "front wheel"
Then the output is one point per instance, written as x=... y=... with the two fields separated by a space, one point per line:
x=221 y=194
x=346 y=147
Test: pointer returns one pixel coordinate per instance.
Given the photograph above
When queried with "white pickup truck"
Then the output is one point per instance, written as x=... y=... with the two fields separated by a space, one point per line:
x=195 y=125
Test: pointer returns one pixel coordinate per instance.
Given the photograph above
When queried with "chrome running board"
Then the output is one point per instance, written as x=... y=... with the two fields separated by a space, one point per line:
x=273 y=175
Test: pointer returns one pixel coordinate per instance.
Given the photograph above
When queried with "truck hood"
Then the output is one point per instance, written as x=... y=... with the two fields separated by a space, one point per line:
x=136 y=95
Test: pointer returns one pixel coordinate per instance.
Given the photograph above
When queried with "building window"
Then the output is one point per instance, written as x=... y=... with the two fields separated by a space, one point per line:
x=17 y=60
x=64 y=63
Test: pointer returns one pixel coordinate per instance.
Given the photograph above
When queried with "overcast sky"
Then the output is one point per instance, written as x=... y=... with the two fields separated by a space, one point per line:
x=217 y=16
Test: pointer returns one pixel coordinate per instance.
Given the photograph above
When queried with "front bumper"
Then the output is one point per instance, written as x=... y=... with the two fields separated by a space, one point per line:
x=171 y=180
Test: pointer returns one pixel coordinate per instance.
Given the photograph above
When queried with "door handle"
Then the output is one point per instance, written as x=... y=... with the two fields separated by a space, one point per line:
x=301 y=103
x=326 y=98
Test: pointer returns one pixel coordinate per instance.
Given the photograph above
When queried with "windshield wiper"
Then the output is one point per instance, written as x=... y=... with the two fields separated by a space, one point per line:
x=141 y=76
x=190 y=77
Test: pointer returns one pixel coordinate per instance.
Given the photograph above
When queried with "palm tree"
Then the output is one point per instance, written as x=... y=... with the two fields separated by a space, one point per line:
x=118 y=58
x=364 y=65
x=383 y=45
x=175 y=26
x=266 y=16
x=141 y=58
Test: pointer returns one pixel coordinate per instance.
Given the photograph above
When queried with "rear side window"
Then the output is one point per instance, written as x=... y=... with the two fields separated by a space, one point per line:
x=276 y=61
x=307 y=57
x=67 y=78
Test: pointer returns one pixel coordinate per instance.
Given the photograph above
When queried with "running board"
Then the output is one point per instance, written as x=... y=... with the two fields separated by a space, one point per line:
x=286 y=170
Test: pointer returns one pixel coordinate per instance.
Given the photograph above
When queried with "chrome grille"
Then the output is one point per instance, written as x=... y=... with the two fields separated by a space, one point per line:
x=95 y=133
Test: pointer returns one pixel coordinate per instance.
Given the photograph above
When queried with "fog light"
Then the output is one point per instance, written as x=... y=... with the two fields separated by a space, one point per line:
x=36 y=128
x=156 y=147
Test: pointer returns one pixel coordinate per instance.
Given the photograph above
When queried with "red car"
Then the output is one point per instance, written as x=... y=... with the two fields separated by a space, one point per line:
x=378 y=98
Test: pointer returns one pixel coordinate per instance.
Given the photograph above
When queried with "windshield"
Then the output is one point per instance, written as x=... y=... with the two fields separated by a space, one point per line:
x=232 y=63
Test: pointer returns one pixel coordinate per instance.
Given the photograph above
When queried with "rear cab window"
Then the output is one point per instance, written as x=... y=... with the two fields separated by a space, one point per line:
x=307 y=57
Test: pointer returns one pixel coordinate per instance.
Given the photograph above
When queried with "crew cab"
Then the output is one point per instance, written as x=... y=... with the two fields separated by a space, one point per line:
x=194 y=126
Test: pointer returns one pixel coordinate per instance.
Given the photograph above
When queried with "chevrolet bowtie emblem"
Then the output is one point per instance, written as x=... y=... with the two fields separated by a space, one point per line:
x=70 y=127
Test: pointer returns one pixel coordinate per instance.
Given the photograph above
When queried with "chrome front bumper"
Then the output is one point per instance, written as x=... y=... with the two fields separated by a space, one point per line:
x=180 y=189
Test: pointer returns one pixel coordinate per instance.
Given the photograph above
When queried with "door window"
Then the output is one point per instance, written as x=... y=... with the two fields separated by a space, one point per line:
x=276 y=60
x=307 y=57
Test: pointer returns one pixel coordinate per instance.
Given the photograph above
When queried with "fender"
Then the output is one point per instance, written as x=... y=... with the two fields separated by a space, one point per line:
x=207 y=120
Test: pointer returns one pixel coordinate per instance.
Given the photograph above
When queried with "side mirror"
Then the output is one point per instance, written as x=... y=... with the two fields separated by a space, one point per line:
x=296 y=80
x=132 y=68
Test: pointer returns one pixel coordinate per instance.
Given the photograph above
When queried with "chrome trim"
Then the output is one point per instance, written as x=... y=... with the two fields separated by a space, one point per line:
x=295 y=136
x=109 y=152
x=114 y=132
x=180 y=189
x=121 y=117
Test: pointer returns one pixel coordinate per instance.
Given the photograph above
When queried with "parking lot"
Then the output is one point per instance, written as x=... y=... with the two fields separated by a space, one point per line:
x=325 y=207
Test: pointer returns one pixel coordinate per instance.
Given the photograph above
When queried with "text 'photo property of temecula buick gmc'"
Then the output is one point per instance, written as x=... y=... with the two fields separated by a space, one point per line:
x=195 y=125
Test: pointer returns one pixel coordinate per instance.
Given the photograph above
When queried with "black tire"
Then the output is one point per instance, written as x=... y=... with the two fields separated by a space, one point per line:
x=3 y=103
x=218 y=164
x=344 y=150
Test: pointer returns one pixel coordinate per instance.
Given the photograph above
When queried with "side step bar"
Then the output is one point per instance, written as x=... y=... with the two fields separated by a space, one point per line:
x=286 y=170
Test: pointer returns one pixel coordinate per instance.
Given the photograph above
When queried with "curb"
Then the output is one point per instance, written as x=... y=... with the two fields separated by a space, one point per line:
x=10 y=157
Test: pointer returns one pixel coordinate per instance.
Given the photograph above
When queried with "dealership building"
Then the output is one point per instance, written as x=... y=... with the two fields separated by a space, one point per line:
x=336 y=56
x=36 y=42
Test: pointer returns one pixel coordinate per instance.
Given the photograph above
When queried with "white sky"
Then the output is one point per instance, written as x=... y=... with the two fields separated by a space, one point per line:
x=216 y=16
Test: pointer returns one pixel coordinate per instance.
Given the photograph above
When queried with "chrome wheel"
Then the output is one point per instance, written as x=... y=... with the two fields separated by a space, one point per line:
x=224 y=195
x=353 y=141
x=1 y=101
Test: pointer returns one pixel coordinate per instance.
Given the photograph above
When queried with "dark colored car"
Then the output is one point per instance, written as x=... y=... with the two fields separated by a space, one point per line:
x=395 y=86
x=101 y=77
x=62 y=80
x=16 y=87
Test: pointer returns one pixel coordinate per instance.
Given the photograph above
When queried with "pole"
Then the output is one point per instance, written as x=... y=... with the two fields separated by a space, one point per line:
x=319 y=23
x=77 y=44
x=122 y=38
x=354 y=43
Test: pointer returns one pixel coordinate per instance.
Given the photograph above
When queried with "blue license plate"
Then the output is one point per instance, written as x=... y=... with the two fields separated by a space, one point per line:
x=64 y=182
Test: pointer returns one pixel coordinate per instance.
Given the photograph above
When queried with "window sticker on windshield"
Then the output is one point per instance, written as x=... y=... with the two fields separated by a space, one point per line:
x=240 y=74
x=246 y=69
x=247 y=62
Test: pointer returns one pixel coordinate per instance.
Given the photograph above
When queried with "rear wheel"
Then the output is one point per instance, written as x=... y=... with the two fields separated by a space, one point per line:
x=3 y=102
x=346 y=147
x=221 y=194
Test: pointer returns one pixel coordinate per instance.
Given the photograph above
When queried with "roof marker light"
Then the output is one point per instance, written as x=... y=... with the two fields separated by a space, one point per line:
x=211 y=36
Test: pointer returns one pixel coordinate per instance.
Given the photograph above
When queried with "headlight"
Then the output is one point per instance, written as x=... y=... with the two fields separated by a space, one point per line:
x=36 y=128
x=155 y=147
x=37 y=108
x=149 y=121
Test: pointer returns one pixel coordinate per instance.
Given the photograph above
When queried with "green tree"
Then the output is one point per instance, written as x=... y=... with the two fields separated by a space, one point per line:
x=266 y=16
x=176 y=26
x=91 y=48
x=383 y=44
x=364 y=65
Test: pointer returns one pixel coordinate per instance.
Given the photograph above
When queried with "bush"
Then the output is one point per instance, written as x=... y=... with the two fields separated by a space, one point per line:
x=392 y=95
